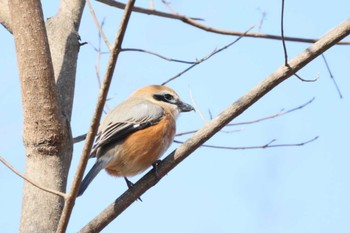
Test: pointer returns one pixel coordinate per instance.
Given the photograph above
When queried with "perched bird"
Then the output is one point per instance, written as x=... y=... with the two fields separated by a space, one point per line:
x=136 y=133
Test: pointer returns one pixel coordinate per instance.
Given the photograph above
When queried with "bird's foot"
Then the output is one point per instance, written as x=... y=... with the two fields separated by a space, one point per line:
x=131 y=186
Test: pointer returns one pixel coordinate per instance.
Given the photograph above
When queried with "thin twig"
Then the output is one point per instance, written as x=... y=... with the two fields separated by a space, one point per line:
x=197 y=109
x=55 y=192
x=98 y=62
x=99 y=28
x=307 y=80
x=158 y=55
x=167 y=4
x=261 y=22
x=136 y=9
x=68 y=205
x=281 y=113
x=194 y=22
x=282 y=35
x=216 y=51
x=285 y=48
x=332 y=77
x=267 y=145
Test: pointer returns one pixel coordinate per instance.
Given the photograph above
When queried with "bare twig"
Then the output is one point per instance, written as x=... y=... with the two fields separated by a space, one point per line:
x=214 y=126
x=68 y=206
x=307 y=80
x=282 y=35
x=55 y=192
x=216 y=51
x=263 y=17
x=285 y=48
x=194 y=22
x=98 y=62
x=281 y=113
x=197 y=109
x=331 y=76
x=267 y=145
x=98 y=24
x=136 y=9
x=167 y=4
x=158 y=55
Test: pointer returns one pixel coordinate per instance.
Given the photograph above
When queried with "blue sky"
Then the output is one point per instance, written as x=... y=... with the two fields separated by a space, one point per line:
x=288 y=189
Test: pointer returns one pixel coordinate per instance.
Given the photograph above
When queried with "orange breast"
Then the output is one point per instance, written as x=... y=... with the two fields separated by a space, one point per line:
x=142 y=148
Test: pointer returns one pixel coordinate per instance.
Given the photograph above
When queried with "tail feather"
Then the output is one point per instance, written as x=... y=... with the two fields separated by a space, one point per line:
x=98 y=166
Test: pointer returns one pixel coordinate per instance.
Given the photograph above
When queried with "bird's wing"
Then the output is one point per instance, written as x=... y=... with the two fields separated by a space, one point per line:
x=125 y=119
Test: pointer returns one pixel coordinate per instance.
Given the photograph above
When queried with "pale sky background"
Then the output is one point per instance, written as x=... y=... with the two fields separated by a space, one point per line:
x=289 y=189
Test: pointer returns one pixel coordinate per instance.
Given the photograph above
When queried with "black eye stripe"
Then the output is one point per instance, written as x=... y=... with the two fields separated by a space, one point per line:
x=166 y=97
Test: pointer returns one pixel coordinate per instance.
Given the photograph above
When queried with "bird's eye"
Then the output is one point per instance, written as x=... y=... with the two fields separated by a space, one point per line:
x=168 y=97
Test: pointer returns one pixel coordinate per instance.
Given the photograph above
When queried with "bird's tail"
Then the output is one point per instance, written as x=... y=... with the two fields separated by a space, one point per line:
x=98 y=166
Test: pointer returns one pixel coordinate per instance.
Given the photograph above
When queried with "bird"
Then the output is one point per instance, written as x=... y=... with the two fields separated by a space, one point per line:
x=136 y=133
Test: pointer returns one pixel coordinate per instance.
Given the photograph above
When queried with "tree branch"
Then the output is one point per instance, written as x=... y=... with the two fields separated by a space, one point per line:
x=158 y=55
x=331 y=76
x=281 y=113
x=193 y=22
x=267 y=145
x=136 y=9
x=216 y=51
x=7 y=164
x=212 y=127
x=99 y=28
x=68 y=207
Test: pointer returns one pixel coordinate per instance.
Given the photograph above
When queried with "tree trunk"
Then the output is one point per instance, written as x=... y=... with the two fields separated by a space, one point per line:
x=46 y=107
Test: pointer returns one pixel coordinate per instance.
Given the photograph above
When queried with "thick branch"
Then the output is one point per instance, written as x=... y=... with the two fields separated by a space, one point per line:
x=212 y=127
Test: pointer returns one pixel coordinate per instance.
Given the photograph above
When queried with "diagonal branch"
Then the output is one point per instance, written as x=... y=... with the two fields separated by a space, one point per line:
x=68 y=207
x=331 y=76
x=52 y=191
x=99 y=28
x=120 y=5
x=193 y=22
x=212 y=127
x=216 y=51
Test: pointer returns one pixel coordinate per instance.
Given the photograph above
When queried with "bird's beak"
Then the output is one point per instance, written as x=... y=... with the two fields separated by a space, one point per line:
x=184 y=107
